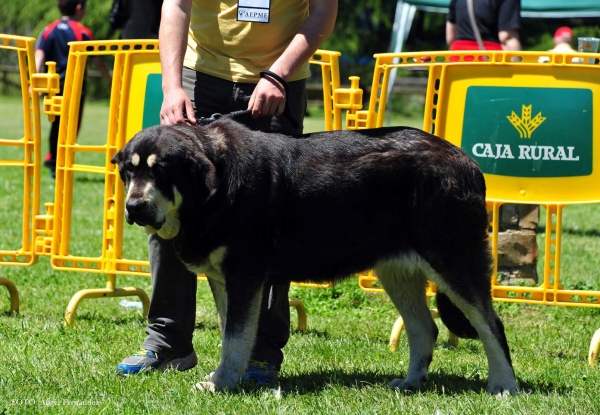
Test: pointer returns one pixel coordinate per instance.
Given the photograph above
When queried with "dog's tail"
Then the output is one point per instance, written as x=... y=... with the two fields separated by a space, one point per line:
x=454 y=318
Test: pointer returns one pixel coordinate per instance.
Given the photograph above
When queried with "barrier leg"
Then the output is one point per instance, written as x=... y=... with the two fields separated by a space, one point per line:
x=13 y=292
x=594 y=348
x=295 y=302
x=109 y=291
x=396 y=333
x=399 y=326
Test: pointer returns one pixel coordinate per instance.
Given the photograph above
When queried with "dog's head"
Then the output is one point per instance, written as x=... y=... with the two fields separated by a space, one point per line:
x=160 y=167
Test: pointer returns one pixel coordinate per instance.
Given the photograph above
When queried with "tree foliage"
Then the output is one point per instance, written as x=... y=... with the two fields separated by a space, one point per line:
x=30 y=17
x=363 y=28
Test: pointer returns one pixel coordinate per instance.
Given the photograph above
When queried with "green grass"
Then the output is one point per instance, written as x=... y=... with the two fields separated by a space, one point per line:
x=341 y=365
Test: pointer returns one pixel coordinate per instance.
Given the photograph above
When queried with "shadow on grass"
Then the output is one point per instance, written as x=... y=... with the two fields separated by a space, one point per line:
x=202 y=325
x=581 y=232
x=99 y=319
x=89 y=179
x=315 y=382
x=439 y=384
x=312 y=333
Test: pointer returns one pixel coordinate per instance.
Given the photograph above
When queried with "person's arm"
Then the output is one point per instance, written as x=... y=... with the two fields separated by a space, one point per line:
x=450 y=33
x=509 y=39
x=451 y=27
x=269 y=97
x=40 y=59
x=509 y=24
x=172 y=39
x=99 y=63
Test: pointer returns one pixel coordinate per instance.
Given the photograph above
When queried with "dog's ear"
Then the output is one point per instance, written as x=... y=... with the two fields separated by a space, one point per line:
x=203 y=175
x=117 y=158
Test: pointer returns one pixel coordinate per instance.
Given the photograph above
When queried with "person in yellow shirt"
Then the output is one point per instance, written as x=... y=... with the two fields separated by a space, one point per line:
x=211 y=54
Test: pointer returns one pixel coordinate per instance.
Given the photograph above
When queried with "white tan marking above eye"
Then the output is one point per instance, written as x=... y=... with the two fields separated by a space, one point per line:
x=135 y=159
x=151 y=160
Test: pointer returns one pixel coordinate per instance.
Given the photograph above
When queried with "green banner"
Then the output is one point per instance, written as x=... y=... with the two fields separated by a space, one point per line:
x=529 y=132
x=152 y=101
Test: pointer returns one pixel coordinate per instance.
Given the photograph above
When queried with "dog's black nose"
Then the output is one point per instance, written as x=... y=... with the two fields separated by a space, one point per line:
x=141 y=213
x=134 y=211
x=134 y=206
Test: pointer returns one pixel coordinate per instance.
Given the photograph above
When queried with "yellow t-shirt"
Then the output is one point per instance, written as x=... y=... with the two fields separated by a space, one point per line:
x=235 y=49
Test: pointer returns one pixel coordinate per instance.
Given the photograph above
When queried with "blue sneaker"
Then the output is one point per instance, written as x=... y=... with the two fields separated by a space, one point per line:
x=261 y=372
x=146 y=360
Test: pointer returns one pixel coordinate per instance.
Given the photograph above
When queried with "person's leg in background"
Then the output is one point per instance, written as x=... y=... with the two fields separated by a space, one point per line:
x=50 y=158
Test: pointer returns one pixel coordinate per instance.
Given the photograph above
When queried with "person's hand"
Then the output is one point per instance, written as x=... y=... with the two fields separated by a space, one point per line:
x=175 y=103
x=268 y=98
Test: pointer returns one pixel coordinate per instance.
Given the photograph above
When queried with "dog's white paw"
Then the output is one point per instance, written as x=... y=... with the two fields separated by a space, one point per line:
x=212 y=383
x=223 y=379
x=204 y=387
x=502 y=391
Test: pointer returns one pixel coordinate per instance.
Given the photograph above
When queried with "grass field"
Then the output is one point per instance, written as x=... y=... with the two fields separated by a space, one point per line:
x=341 y=365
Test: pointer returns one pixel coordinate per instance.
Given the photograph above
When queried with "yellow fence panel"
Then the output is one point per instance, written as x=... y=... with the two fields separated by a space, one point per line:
x=528 y=121
x=24 y=152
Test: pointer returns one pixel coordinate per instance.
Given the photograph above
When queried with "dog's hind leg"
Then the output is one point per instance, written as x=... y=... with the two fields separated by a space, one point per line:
x=482 y=316
x=405 y=283
x=467 y=284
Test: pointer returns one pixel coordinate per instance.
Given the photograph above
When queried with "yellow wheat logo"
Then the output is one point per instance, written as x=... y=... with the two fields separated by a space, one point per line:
x=526 y=125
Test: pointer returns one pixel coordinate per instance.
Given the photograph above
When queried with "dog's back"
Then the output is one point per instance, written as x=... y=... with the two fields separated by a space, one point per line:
x=339 y=202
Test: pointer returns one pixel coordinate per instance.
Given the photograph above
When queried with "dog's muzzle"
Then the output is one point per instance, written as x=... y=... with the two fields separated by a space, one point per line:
x=142 y=214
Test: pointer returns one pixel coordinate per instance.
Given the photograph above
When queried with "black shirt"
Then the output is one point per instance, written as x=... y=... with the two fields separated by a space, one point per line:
x=144 y=21
x=492 y=17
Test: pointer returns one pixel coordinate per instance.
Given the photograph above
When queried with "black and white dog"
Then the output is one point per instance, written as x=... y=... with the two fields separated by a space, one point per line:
x=263 y=206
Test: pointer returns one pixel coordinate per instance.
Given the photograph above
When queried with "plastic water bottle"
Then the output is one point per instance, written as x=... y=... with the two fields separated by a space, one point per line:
x=131 y=304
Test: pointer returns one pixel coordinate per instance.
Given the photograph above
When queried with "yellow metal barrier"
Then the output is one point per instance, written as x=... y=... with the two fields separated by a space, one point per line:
x=336 y=98
x=136 y=96
x=13 y=293
x=529 y=126
x=26 y=150
x=26 y=155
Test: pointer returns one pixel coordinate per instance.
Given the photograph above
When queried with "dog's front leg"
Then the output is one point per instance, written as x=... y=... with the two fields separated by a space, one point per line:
x=241 y=324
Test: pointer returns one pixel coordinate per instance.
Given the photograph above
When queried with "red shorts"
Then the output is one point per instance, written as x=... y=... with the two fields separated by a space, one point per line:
x=472 y=45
